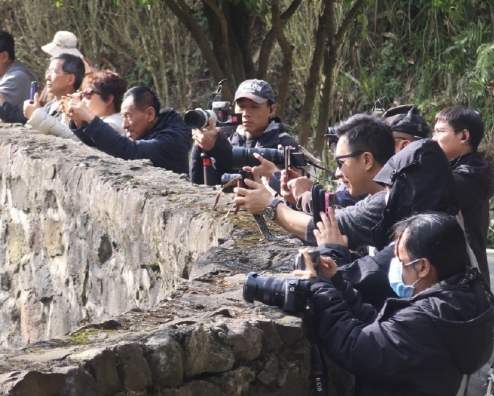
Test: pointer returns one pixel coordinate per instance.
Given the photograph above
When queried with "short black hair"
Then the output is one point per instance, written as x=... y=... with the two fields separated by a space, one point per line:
x=365 y=132
x=7 y=43
x=144 y=97
x=437 y=237
x=72 y=64
x=460 y=118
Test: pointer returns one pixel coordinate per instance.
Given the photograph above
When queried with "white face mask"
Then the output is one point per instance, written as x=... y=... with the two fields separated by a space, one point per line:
x=396 y=278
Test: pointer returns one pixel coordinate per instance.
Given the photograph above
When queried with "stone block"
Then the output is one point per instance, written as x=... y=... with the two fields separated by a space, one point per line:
x=270 y=338
x=102 y=365
x=245 y=340
x=203 y=354
x=165 y=359
x=53 y=242
x=133 y=368
x=237 y=381
x=30 y=383
x=17 y=244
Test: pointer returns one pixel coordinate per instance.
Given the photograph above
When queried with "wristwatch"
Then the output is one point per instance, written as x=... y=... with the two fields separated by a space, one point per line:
x=270 y=212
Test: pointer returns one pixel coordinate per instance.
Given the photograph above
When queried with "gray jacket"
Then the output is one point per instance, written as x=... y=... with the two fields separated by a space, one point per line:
x=15 y=84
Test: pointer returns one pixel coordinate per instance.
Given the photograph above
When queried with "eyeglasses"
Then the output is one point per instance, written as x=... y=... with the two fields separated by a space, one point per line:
x=410 y=263
x=54 y=71
x=437 y=131
x=88 y=94
x=339 y=158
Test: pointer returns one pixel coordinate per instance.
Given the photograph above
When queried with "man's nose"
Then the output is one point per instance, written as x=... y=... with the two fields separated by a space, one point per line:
x=338 y=173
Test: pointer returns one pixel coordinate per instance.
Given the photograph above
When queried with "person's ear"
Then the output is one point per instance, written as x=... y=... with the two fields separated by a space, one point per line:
x=465 y=135
x=109 y=100
x=71 y=80
x=272 y=110
x=151 y=113
x=368 y=160
x=425 y=268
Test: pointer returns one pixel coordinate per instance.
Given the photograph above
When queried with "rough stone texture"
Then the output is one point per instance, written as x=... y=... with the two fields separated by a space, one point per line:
x=87 y=236
x=119 y=279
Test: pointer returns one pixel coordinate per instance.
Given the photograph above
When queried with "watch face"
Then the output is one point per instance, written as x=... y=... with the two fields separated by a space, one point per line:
x=270 y=213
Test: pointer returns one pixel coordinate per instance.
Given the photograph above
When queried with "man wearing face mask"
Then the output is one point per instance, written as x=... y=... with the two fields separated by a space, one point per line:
x=430 y=339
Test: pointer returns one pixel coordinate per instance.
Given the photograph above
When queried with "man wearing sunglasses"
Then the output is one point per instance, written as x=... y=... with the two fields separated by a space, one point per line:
x=365 y=144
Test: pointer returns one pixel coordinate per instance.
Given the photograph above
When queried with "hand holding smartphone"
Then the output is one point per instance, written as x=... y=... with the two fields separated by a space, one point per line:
x=32 y=91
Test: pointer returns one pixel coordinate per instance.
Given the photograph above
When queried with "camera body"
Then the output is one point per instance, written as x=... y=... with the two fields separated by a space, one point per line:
x=221 y=113
x=289 y=294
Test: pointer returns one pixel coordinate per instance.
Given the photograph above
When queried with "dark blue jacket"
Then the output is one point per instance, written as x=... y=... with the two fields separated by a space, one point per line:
x=222 y=151
x=167 y=145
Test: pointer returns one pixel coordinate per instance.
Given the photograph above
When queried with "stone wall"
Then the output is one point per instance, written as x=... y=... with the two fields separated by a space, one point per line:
x=120 y=279
x=86 y=236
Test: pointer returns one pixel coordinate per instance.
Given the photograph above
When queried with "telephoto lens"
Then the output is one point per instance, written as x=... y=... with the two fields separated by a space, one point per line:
x=199 y=118
x=242 y=156
x=289 y=294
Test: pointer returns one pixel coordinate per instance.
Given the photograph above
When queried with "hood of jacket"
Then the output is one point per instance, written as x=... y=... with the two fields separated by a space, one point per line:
x=479 y=172
x=457 y=306
x=421 y=180
x=170 y=120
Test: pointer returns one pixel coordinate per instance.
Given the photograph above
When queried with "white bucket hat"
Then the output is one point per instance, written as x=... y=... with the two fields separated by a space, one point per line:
x=63 y=42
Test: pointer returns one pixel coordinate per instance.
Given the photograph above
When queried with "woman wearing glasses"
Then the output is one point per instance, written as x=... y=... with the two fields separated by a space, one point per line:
x=101 y=96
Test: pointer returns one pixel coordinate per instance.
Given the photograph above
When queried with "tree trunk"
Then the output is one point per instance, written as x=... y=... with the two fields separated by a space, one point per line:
x=287 y=49
x=315 y=71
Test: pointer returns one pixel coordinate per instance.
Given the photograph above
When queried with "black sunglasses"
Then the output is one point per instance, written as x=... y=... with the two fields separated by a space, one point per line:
x=339 y=158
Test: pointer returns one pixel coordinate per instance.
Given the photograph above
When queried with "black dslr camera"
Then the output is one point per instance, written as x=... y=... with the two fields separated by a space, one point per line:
x=221 y=112
x=289 y=294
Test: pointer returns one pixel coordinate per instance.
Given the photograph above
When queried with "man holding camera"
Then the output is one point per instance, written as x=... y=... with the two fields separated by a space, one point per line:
x=158 y=135
x=255 y=101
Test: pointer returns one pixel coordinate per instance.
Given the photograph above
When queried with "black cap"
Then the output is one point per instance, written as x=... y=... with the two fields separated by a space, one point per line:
x=406 y=119
x=257 y=90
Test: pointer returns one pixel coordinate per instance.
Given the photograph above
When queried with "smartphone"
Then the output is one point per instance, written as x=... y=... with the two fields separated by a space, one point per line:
x=34 y=84
x=329 y=201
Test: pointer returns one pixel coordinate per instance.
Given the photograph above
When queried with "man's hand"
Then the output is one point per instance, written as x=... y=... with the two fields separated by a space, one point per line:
x=31 y=105
x=327 y=267
x=328 y=230
x=310 y=271
x=78 y=111
x=205 y=138
x=265 y=169
x=2 y=100
x=255 y=198
x=285 y=190
x=300 y=185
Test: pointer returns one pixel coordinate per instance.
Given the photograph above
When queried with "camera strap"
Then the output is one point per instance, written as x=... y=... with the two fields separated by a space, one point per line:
x=318 y=372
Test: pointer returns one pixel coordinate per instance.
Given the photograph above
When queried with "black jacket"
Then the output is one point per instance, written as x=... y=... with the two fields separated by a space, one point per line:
x=275 y=134
x=167 y=145
x=475 y=185
x=418 y=346
x=11 y=114
x=368 y=275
